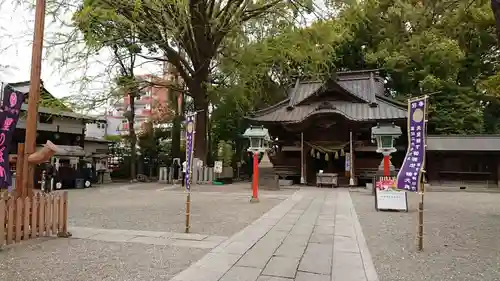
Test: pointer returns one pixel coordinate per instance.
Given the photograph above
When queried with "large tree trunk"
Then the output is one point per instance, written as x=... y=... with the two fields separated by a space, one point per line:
x=199 y=94
x=198 y=91
x=177 y=120
x=176 y=136
x=132 y=136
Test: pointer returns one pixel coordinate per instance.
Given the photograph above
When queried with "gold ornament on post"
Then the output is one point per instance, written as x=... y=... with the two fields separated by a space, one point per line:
x=312 y=152
x=318 y=155
x=342 y=152
x=336 y=155
x=326 y=157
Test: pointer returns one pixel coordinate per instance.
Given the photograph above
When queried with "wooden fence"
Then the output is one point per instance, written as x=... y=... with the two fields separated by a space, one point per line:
x=32 y=217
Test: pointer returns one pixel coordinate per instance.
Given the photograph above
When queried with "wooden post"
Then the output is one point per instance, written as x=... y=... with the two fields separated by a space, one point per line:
x=188 y=211
x=20 y=191
x=351 y=160
x=302 y=178
x=3 y=211
x=189 y=170
x=420 y=243
x=421 y=186
x=34 y=96
x=63 y=216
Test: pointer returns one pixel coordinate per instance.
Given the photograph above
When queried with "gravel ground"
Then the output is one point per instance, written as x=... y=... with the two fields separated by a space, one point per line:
x=83 y=260
x=146 y=208
x=461 y=237
x=240 y=187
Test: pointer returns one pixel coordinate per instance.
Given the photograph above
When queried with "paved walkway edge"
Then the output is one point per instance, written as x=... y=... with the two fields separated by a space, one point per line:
x=192 y=240
x=371 y=273
x=223 y=257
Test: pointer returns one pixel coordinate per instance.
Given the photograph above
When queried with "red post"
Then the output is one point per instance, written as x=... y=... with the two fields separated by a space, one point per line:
x=386 y=165
x=255 y=180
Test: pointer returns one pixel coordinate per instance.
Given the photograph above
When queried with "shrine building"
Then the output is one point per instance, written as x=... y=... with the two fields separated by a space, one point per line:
x=322 y=124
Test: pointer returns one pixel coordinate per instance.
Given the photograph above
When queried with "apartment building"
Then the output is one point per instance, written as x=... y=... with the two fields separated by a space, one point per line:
x=151 y=103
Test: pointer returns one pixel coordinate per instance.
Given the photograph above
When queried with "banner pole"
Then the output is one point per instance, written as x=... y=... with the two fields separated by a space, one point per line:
x=188 y=211
x=190 y=133
x=420 y=244
x=421 y=191
x=187 y=174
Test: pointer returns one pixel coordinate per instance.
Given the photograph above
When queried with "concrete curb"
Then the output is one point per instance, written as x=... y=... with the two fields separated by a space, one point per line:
x=371 y=273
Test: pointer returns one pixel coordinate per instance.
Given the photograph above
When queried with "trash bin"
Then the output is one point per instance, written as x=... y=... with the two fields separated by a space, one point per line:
x=79 y=183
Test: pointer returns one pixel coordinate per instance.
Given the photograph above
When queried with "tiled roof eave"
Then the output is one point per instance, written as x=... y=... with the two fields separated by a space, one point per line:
x=266 y=110
x=327 y=111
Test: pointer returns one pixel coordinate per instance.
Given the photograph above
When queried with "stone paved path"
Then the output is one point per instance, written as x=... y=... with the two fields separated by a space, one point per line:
x=192 y=240
x=314 y=235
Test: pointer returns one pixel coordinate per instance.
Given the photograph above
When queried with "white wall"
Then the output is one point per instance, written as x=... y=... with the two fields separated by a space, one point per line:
x=113 y=126
x=66 y=125
x=95 y=130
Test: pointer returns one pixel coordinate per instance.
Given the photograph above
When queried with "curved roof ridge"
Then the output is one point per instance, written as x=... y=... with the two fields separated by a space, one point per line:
x=263 y=111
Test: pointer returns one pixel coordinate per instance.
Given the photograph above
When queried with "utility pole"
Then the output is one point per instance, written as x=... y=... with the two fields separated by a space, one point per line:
x=34 y=99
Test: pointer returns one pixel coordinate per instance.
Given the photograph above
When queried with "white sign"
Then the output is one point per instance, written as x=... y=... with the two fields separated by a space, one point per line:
x=218 y=167
x=392 y=200
x=388 y=197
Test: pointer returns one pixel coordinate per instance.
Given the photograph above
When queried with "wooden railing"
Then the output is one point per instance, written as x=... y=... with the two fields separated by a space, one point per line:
x=32 y=217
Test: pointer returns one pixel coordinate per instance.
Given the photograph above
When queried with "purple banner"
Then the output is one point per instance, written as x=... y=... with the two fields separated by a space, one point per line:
x=189 y=148
x=409 y=175
x=9 y=115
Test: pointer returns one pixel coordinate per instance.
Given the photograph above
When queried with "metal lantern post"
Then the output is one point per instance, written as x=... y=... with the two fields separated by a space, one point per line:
x=259 y=143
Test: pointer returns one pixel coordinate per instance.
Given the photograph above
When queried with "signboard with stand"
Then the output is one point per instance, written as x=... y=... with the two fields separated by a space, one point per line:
x=218 y=167
x=388 y=197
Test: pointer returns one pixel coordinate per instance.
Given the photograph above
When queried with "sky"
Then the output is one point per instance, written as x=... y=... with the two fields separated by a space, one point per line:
x=16 y=34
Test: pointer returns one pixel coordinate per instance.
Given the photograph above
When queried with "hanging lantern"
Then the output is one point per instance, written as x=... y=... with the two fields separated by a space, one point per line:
x=342 y=152
x=336 y=155
x=312 y=152
x=326 y=157
x=318 y=155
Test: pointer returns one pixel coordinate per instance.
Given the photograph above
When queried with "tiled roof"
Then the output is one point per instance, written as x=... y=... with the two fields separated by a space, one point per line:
x=463 y=143
x=352 y=111
x=58 y=112
x=24 y=87
x=303 y=90
x=365 y=87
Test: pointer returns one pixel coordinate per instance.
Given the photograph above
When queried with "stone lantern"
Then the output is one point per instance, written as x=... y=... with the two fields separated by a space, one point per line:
x=384 y=135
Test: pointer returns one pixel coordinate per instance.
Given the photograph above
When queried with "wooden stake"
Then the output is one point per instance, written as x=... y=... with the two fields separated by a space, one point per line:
x=420 y=243
x=188 y=211
x=34 y=96
x=421 y=185
x=188 y=183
